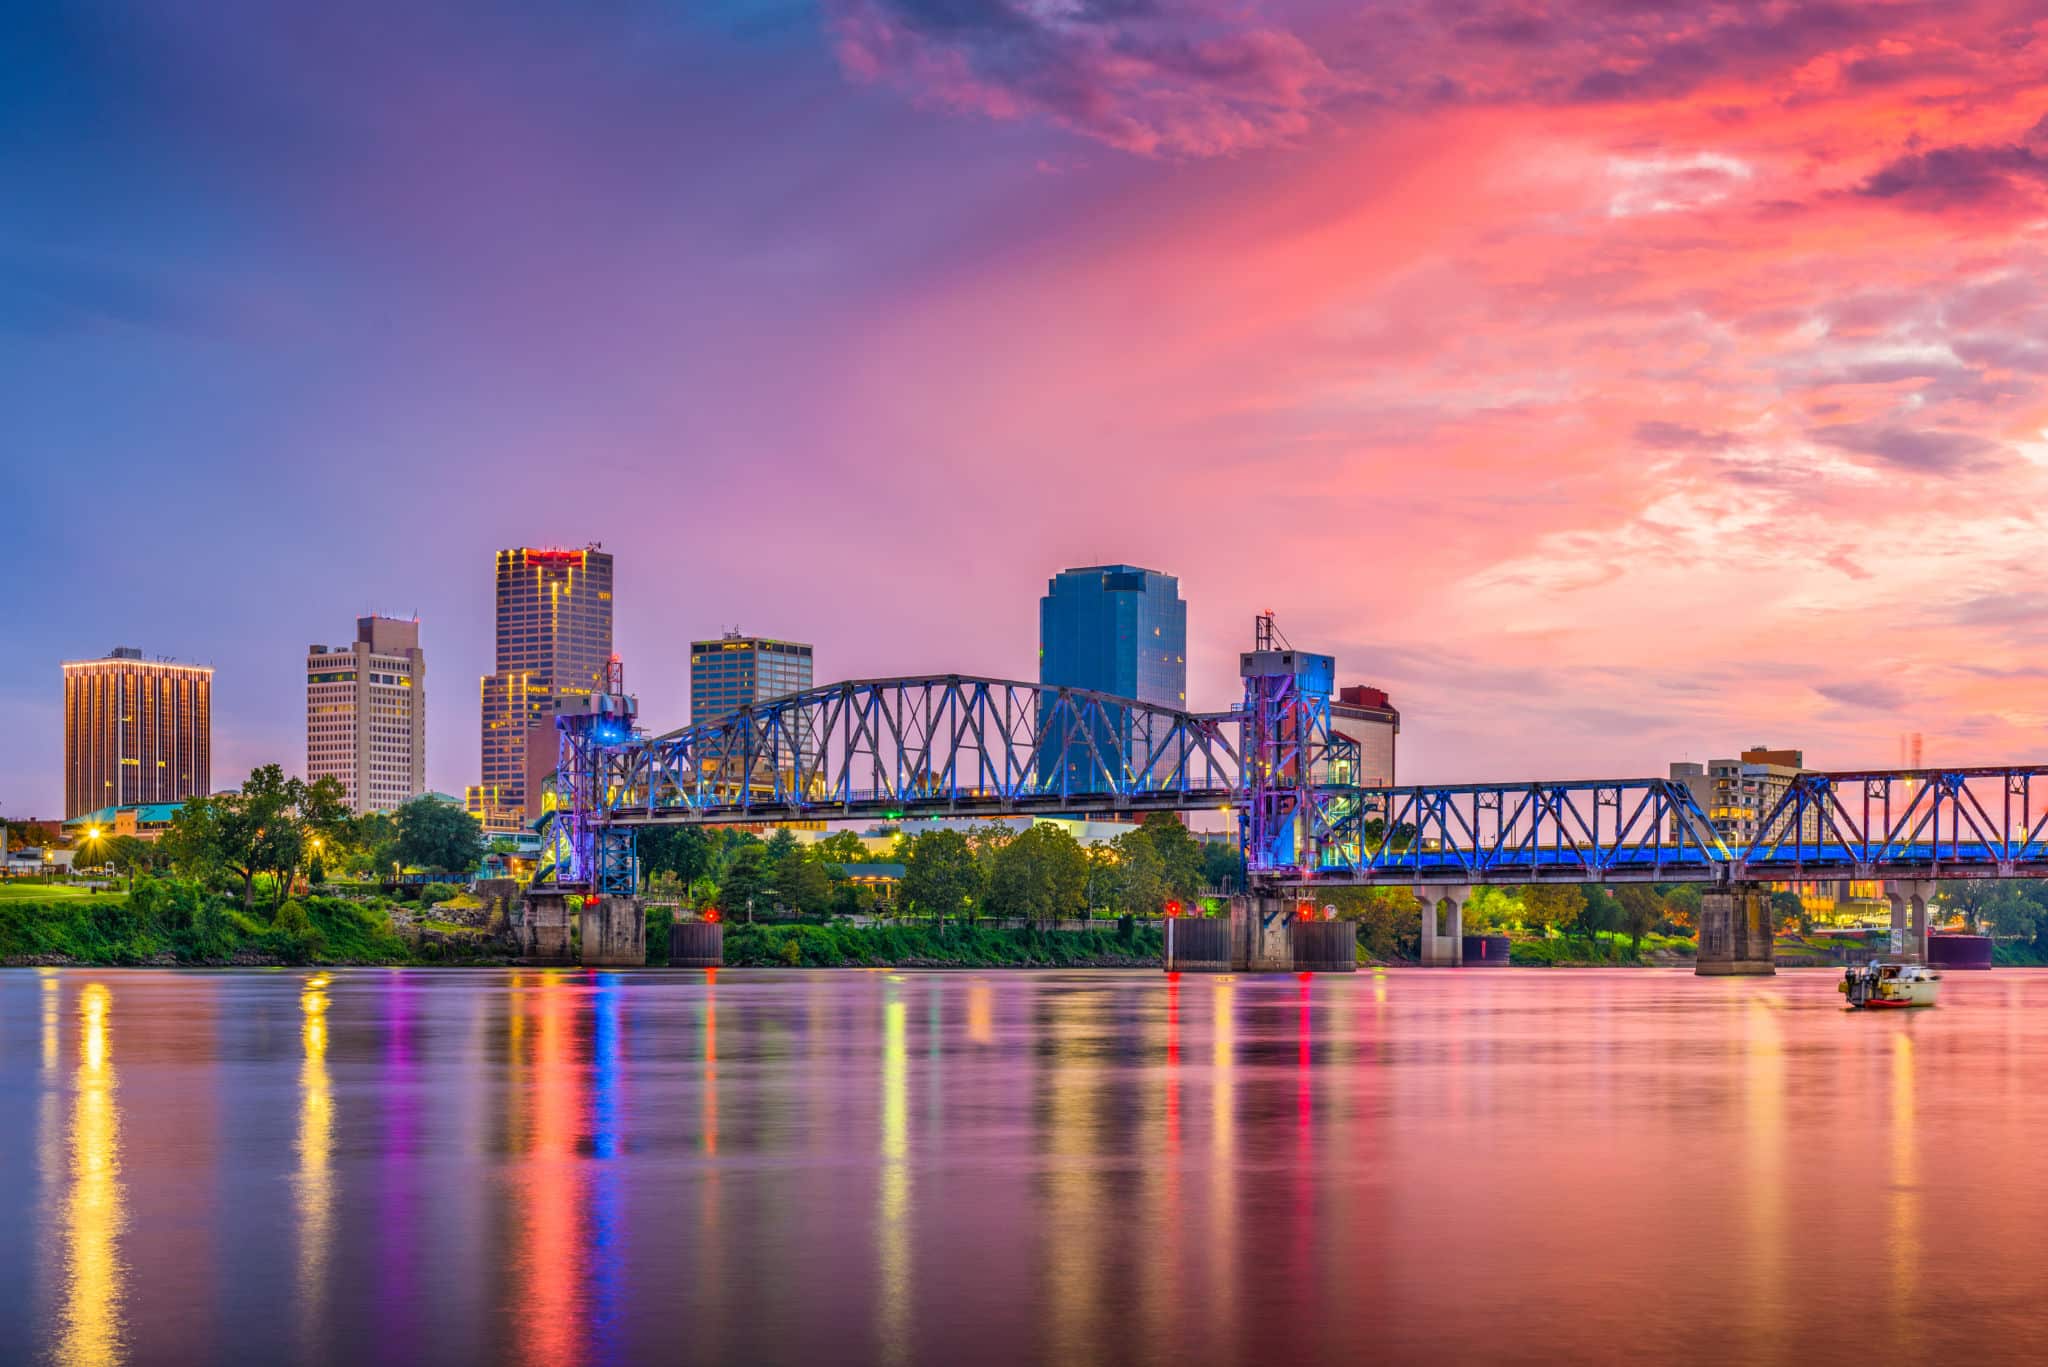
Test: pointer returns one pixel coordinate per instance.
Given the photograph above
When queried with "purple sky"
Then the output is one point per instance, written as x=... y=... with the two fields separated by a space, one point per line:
x=1613 y=382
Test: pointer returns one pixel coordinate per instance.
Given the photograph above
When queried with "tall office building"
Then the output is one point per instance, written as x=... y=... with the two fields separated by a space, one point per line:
x=1740 y=795
x=554 y=643
x=1115 y=629
x=135 y=731
x=366 y=714
x=729 y=673
x=1367 y=716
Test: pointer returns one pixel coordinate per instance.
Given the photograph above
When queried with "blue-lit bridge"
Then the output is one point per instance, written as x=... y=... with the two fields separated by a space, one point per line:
x=967 y=746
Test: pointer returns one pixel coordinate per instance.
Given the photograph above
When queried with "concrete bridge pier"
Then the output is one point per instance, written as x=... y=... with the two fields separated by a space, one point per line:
x=1261 y=933
x=1443 y=927
x=1909 y=898
x=614 y=933
x=1736 y=932
x=540 y=932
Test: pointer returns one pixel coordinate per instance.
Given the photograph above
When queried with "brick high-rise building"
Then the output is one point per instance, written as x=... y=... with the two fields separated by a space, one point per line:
x=135 y=731
x=554 y=642
x=366 y=714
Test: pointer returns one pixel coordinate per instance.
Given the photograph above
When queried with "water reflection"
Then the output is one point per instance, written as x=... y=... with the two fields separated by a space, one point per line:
x=314 y=1183
x=547 y=1319
x=1903 y=1238
x=91 y=1326
x=892 y=1216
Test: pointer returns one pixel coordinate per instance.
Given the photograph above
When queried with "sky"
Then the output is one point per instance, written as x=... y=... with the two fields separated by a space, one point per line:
x=1613 y=382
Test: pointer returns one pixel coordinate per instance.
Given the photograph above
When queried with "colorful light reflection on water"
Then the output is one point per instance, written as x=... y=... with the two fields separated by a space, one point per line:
x=557 y=1167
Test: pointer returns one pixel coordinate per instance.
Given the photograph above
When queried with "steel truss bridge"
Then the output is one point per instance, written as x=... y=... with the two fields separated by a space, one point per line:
x=964 y=746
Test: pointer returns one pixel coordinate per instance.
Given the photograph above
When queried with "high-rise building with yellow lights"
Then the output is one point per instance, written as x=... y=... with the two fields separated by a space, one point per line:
x=554 y=642
x=135 y=731
x=366 y=714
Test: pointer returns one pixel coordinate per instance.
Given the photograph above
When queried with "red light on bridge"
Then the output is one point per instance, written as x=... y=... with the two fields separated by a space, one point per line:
x=1173 y=908
x=711 y=914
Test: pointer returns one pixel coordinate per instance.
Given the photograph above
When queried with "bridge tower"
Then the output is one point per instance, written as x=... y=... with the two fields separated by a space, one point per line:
x=1287 y=817
x=588 y=862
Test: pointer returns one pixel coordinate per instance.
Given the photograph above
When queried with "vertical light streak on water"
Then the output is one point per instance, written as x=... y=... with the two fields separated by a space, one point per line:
x=892 y=1216
x=604 y=1260
x=709 y=1327
x=1159 y=1159
x=980 y=1013
x=550 y=1315
x=1222 y=1297
x=1074 y=1195
x=1905 y=1261
x=1762 y=1177
x=90 y=1331
x=51 y=1169
x=313 y=1184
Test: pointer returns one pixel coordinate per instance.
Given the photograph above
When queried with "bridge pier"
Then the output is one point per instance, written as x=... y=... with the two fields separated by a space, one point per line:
x=1261 y=940
x=1443 y=941
x=1736 y=933
x=1909 y=898
x=614 y=933
x=540 y=933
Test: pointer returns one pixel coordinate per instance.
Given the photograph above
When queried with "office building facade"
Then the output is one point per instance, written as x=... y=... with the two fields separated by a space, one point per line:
x=554 y=626
x=1118 y=629
x=1368 y=717
x=366 y=714
x=1115 y=629
x=135 y=731
x=736 y=671
x=1739 y=795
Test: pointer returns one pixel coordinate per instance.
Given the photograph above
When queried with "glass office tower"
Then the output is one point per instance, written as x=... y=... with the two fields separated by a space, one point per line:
x=1113 y=629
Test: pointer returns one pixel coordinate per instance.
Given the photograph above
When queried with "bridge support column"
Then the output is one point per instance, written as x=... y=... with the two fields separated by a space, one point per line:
x=541 y=934
x=1909 y=898
x=1261 y=936
x=1443 y=940
x=1735 y=933
x=614 y=933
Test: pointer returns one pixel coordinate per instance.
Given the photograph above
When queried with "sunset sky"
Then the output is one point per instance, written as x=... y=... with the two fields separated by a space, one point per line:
x=1613 y=382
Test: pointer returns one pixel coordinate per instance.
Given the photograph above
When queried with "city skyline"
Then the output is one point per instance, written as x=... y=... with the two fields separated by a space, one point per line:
x=1611 y=391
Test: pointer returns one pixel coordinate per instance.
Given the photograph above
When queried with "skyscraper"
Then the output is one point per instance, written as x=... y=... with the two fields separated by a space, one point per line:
x=1115 y=629
x=366 y=714
x=729 y=673
x=135 y=731
x=554 y=642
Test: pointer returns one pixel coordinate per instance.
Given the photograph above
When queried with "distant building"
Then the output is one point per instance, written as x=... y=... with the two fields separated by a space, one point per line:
x=1115 y=629
x=135 y=731
x=366 y=714
x=147 y=821
x=554 y=641
x=736 y=671
x=1739 y=795
x=1366 y=716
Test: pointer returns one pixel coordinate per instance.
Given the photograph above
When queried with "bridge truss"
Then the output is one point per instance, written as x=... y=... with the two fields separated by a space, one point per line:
x=965 y=746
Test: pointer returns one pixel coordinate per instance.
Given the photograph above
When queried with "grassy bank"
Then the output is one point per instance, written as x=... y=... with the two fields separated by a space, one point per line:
x=173 y=924
x=755 y=946
x=1605 y=949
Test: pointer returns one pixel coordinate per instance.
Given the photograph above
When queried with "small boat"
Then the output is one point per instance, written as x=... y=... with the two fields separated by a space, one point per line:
x=1883 y=985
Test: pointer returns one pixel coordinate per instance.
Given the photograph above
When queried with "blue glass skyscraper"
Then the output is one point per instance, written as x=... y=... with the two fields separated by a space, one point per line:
x=1113 y=629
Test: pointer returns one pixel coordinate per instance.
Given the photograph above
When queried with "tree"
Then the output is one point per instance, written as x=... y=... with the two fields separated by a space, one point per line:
x=745 y=881
x=1641 y=910
x=1788 y=907
x=1548 y=906
x=685 y=851
x=1180 y=854
x=131 y=855
x=1138 y=884
x=369 y=844
x=1600 y=912
x=805 y=885
x=1682 y=906
x=843 y=847
x=438 y=836
x=261 y=829
x=1971 y=898
x=1041 y=875
x=941 y=876
x=1222 y=864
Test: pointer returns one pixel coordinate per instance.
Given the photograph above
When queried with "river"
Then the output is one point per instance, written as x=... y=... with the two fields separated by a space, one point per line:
x=822 y=1167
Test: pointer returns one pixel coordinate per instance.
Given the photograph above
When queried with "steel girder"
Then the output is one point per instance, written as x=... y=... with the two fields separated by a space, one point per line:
x=941 y=745
x=1918 y=823
x=1647 y=830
